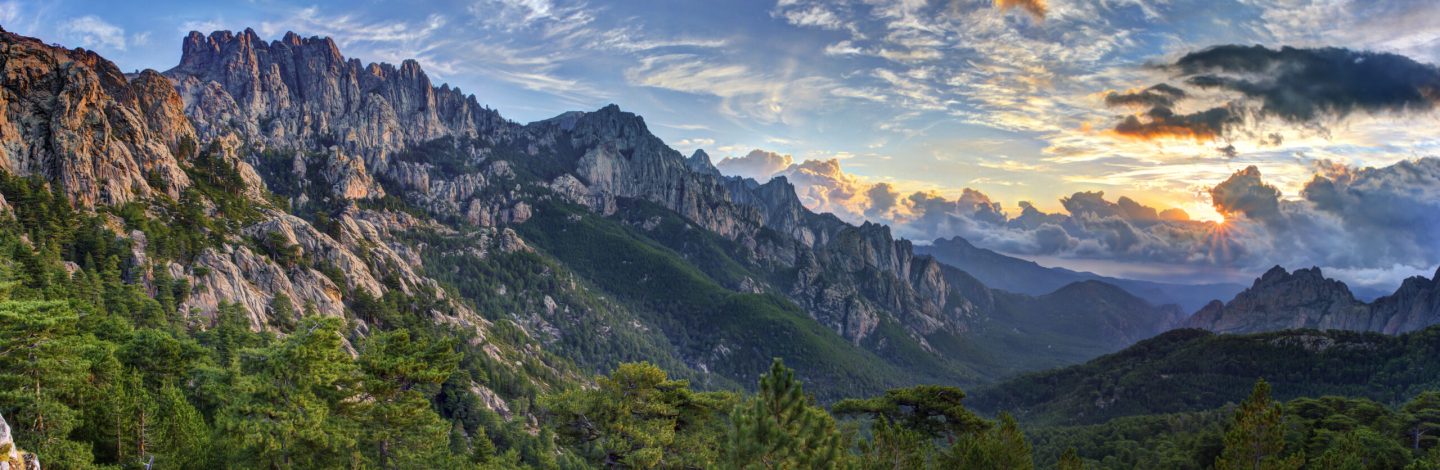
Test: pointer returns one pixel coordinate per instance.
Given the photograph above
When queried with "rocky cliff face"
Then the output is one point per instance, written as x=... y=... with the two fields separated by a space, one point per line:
x=71 y=117
x=301 y=91
x=1281 y=300
x=1415 y=305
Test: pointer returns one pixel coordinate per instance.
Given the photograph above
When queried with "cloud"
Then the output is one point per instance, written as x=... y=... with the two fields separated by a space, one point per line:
x=1035 y=8
x=758 y=164
x=1295 y=85
x=1399 y=204
x=1302 y=85
x=1162 y=122
x=1245 y=193
x=1159 y=95
x=1333 y=223
x=512 y=14
x=93 y=32
x=743 y=92
x=815 y=16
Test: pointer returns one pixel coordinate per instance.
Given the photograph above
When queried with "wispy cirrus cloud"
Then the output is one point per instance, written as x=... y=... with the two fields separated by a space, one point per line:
x=744 y=93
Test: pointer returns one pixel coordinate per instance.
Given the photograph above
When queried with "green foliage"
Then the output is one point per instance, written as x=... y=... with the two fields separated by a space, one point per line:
x=1003 y=446
x=781 y=428
x=1256 y=440
x=933 y=410
x=401 y=373
x=42 y=370
x=293 y=406
x=1070 y=460
x=1421 y=420
x=1193 y=370
x=696 y=314
x=639 y=418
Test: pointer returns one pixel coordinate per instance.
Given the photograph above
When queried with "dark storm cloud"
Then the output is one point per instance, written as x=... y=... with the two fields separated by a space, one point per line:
x=1163 y=122
x=1162 y=95
x=1300 y=85
x=1296 y=85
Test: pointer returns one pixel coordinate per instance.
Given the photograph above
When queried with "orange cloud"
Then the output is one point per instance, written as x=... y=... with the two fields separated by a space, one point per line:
x=1036 y=8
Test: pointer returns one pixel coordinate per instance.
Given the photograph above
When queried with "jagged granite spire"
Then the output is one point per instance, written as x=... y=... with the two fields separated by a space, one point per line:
x=304 y=90
x=1280 y=300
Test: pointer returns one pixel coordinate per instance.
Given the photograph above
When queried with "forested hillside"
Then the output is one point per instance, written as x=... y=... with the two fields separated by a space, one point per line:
x=274 y=256
x=1194 y=370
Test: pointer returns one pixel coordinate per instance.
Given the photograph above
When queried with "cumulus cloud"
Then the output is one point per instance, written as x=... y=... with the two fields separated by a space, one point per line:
x=1399 y=204
x=758 y=164
x=1333 y=223
x=1245 y=193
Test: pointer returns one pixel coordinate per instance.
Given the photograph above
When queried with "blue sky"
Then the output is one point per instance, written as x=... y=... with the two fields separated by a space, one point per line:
x=925 y=97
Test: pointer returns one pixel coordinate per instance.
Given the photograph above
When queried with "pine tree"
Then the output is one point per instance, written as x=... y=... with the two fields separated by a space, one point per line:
x=780 y=429
x=401 y=430
x=282 y=312
x=1003 y=446
x=638 y=417
x=894 y=447
x=1421 y=417
x=482 y=450
x=42 y=368
x=293 y=407
x=932 y=410
x=1070 y=460
x=182 y=439
x=1256 y=438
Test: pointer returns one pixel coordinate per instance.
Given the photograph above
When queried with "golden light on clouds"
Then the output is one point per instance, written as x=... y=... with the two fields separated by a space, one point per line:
x=1036 y=8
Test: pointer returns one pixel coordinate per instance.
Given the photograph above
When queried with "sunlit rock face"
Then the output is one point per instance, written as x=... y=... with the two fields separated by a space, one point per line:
x=69 y=115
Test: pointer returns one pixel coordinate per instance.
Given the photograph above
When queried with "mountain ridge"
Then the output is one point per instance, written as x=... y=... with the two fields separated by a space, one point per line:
x=1305 y=298
x=1022 y=276
x=340 y=182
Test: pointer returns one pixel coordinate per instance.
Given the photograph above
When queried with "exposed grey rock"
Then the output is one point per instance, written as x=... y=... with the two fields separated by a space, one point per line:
x=699 y=162
x=302 y=90
x=11 y=457
x=1281 y=300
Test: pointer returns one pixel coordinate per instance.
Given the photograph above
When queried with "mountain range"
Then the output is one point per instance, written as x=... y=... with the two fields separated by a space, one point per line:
x=582 y=239
x=560 y=247
x=1013 y=274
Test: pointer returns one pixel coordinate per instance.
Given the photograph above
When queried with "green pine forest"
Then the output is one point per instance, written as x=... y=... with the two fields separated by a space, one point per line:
x=98 y=369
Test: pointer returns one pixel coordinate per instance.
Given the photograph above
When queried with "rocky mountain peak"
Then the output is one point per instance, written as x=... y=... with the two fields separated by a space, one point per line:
x=1308 y=282
x=300 y=91
x=699 y=162
x=1307 y=299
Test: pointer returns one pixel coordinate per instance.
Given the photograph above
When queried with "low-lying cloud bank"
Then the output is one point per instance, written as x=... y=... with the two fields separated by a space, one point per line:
x=1371 y=227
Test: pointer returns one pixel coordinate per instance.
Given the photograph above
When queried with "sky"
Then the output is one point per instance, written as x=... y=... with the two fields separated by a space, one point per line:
x=1184 y=140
